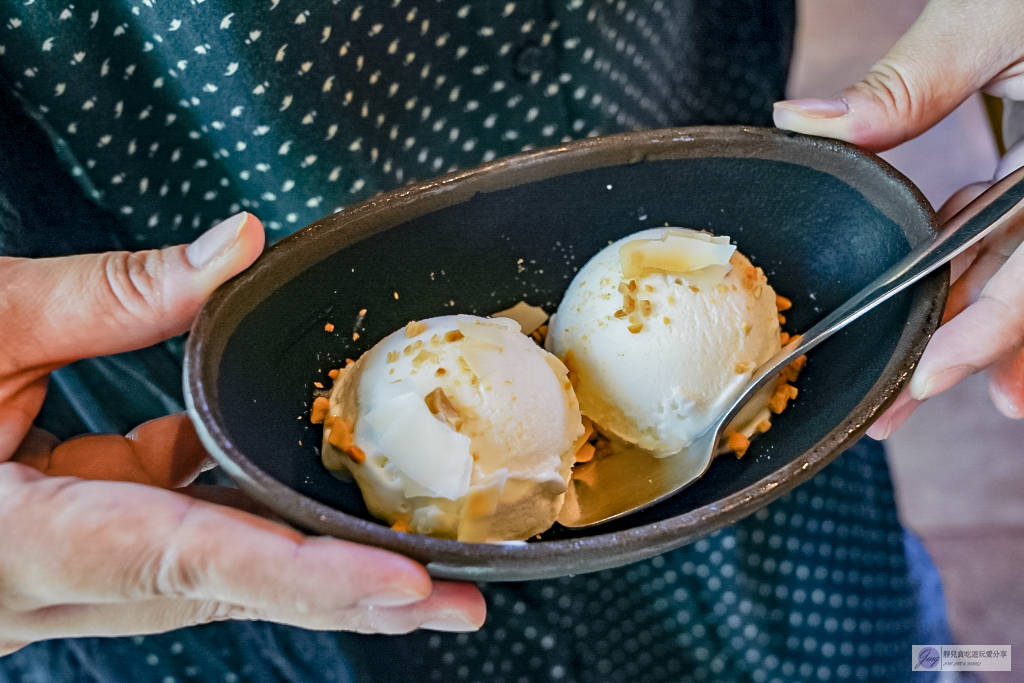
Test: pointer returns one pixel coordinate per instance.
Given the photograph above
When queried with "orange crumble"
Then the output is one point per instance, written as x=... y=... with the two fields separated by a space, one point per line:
x=320 y=407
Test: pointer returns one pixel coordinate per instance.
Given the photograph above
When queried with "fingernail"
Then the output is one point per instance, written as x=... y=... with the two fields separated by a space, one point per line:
x=1004 y=404
x=813 y=108
x=450 y=624
x=1008 y=408
x=893 y=418
x=926 y=386
x=395 y=598
x=215 y=241
x=878 y=431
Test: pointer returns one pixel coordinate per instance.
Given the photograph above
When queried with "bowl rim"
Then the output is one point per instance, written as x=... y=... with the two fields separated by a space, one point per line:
x=495 y=562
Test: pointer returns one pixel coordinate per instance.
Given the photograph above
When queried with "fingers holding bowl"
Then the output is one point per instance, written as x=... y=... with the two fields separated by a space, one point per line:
x=95 y=304
x=175 y=561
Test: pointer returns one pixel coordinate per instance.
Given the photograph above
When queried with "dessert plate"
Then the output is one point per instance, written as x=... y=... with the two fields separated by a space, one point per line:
x=820 y=217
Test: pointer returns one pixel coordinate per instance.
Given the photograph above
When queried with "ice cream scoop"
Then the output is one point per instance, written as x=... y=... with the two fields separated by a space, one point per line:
x=644 y=482
x=660 y=330
x=457 y=427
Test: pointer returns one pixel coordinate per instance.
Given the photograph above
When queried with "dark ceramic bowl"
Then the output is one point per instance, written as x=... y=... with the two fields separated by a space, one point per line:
x=819 y=216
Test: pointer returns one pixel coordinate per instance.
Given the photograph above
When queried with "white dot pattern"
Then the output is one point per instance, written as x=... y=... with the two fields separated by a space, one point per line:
x=176 y=115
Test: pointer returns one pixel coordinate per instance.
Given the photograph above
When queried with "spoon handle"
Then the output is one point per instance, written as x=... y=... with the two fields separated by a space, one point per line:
x=992 y=210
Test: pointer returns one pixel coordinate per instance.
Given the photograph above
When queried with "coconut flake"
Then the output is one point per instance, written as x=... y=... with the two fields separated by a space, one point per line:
x=529 y=317
x=674 y=254
x=483 y=358
x=433 y=458
x=488 y=331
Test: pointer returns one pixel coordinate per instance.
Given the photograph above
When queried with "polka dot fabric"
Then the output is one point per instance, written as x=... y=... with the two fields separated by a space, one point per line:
x=175 y=115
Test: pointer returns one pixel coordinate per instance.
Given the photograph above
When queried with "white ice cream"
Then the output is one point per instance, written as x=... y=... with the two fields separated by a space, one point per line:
x=702 y=319
x=487 y=461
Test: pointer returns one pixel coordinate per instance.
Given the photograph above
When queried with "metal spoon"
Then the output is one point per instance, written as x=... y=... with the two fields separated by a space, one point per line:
x=621 y=484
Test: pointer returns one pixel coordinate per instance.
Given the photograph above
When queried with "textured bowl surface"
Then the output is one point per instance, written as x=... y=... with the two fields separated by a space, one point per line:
x=820 y=217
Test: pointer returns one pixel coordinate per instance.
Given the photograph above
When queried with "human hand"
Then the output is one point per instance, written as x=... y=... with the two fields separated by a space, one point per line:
x=90 y=546
x=955 y=49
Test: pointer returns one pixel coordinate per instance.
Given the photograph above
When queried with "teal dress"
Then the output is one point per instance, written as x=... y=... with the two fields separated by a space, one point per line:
x=138 y=124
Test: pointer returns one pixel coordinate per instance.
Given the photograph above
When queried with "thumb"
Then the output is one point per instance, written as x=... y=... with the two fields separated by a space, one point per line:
x=952 y=51
x=63 y=309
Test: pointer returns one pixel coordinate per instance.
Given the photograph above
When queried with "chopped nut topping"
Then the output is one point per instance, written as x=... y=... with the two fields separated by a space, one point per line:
x=793 y=370
x=758 y=291
x=356 y=453
x=396 y=295
x=318 y=385
x=620 y=313
x=585 y=453
x=453 y=335
x=782 y=303
x=341 y=434
x=422 y=357
x=319 y=411
x=635 y=329
x=679 y=281
x=645 y=308
x=666 y=320
x=334 y=373
x=695 y=289
x=329 y=327
x=435 y=340
x=631 y=286
x=401 y=526
x=392 y=356
x=362 y=311
x=722 y=288
x=739 y=444
x=415 y=327
x=782 y=394
x=628 y=304
x=746 y=327
x=648 y=288
x=742 y=367
x=439 y=404
x=440 y=372
x=355 y=336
